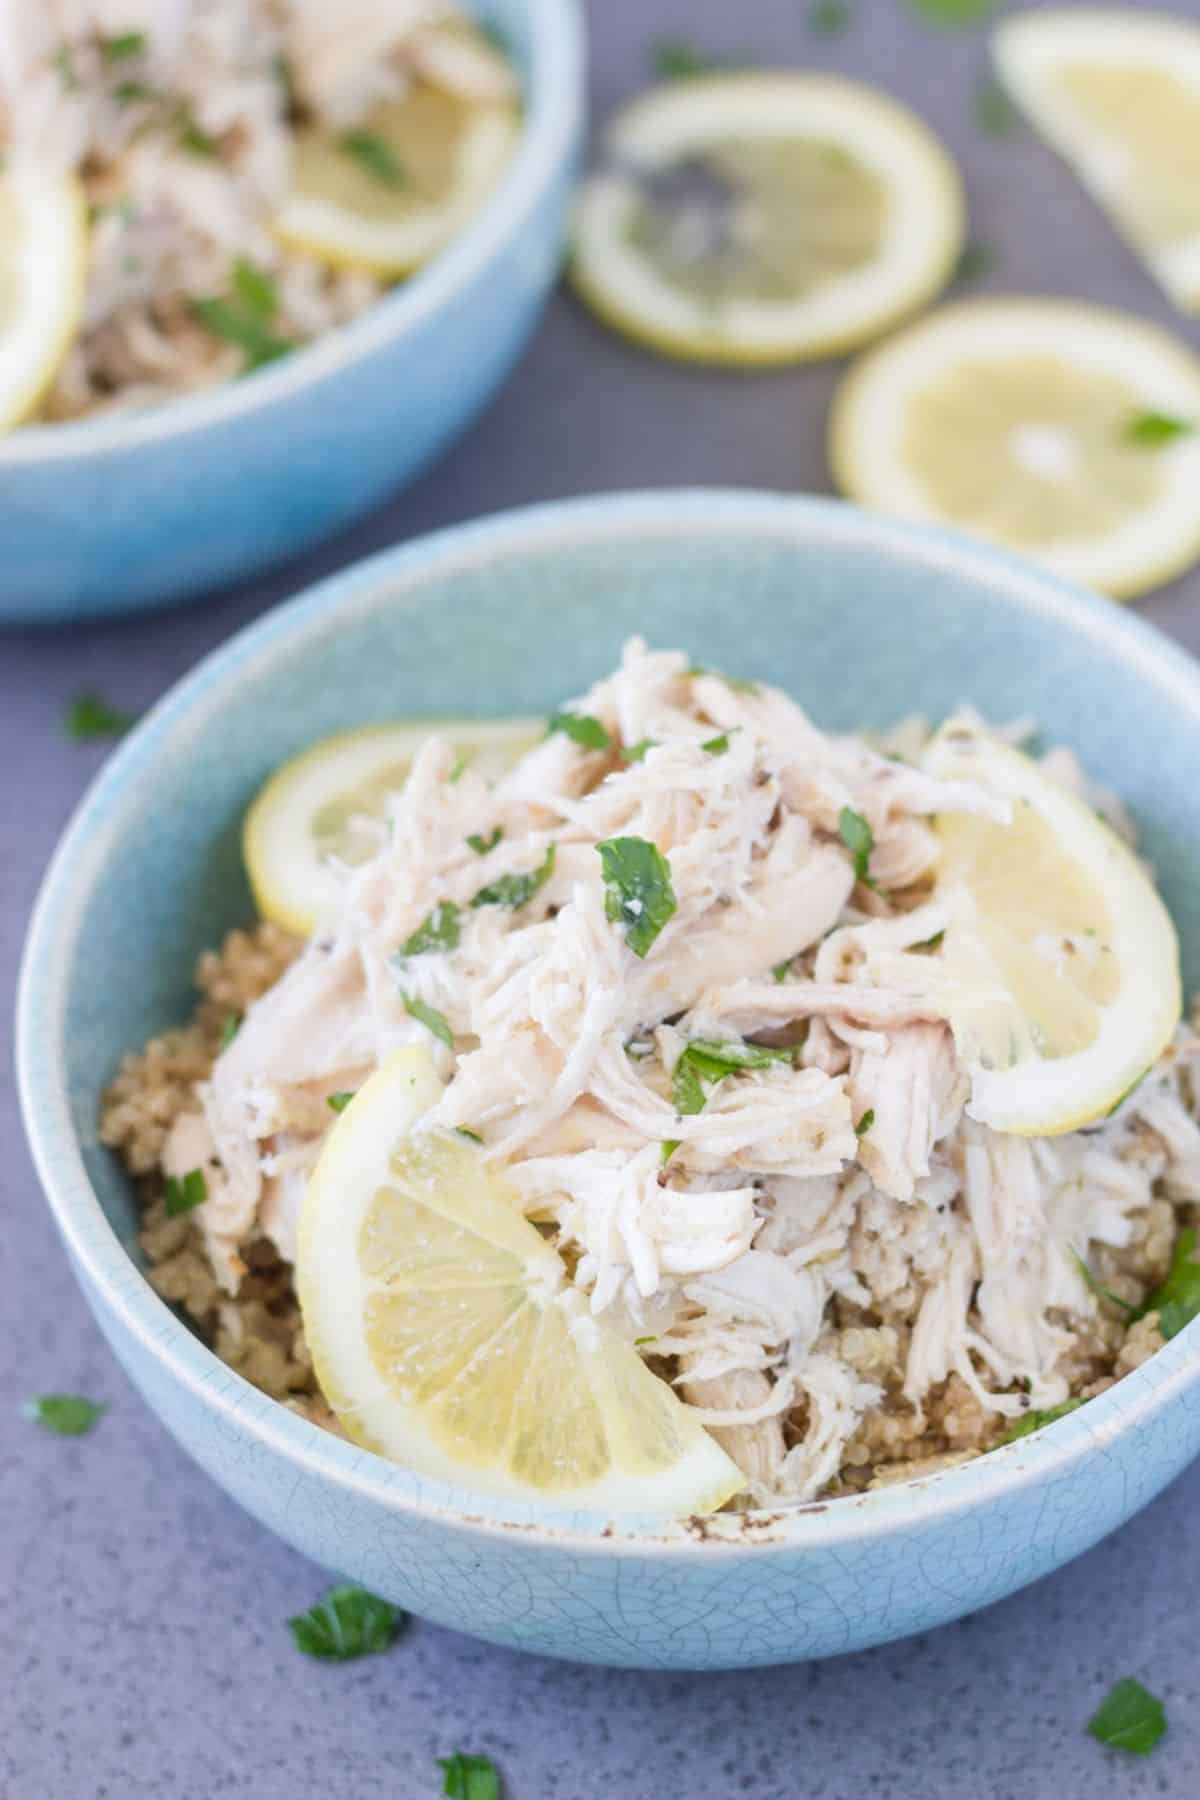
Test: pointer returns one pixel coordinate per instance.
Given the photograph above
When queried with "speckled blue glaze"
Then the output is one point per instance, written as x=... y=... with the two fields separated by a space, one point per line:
x=117 y=514
x=862 y=620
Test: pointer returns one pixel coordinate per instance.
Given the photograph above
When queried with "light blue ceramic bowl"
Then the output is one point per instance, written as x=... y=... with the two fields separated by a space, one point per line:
x=862 y=620
x=117 y=514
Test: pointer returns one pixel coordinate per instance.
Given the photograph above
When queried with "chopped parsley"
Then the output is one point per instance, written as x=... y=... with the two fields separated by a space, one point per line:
x=122 y=48
x=440 y=931
x=865 y=1123
x=674 y=59
x=70 y=1415
x=431 y=1018
x=245 y=316
x=63 y=62
x=516 y=890
x=1104 y=1293
x=1177 y=1301
x=995 y=114
x=229 y=1030
x=465 y=1131
x=781 y=969
x=374 y=155
x=193 y=138
x=348 y=1622
x=1129 y=1718
x=481 y=845
x=932 y=943
x=583 y=730
x=829 y=18
x=652 y=1339
x=706 y=1059
x=669 y=1147
x=183 y=1194
x=859 y=840
x=638 y=891
x=717 y=746
x=1153 y=429
x=1033 y=1421
x=976 y=260
x=469 y=1777
x=340 y=1101
x=633 y=753
x=952 y=12
x=127 y=92
x=90 y=716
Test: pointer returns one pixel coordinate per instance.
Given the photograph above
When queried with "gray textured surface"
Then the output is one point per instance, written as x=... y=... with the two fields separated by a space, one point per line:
x=144 y=1651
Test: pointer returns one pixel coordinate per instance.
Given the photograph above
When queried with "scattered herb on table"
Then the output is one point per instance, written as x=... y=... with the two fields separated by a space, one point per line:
x=952 y=12
x=440 y=931
x=481 y=845
x=829 y=18
x=583 y=730
x=1129 y=1718
x=374 y=155
x=1177 y=1300
x=977 y=260
x=995 y=114
x=859 y=840
x=348 y=1622
x=469 y=1777
x=89 y=715
x=69 y=1415
x=1151 y=430
x=183 y=1194
x=674 y=59
x=431 y=1018
x=638 y=891
x=706 y=1059
x=340 y=1101
x=865 y=1123
x=516 y=890
x=1033 y=1421
x=245 y=316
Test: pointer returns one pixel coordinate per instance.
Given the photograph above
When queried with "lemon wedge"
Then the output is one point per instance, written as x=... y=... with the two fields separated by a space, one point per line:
x=446 y=1336
x=43 y=265
x=1117 y=94
x=387 y=195
x=324 y=807
x=765 y=218
x=1022 y=420
x=1061 y=961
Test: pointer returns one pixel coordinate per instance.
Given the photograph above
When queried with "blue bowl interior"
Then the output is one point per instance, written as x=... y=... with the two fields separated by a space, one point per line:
x=861 y=622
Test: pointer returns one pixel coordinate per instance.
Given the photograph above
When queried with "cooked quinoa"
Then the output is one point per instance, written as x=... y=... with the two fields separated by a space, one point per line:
x=1135 y=1175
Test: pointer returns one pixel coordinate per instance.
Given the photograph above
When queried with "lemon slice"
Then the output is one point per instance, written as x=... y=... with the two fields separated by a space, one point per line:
x=445 y=1335
x=1018 y=419
x=43 y=263
x=388 y=194
x=1117 y=93
x=324 y=807
x=765 y=218
x=1062 y=961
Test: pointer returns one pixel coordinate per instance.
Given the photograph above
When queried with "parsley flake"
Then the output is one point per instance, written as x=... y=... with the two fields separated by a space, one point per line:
x=976 y=260
x=1153 y=429
x=828 y=18
x=69 y=1415
x=638 y=890
x=120 y=49
x=1129 y=1718
x=1103 y=1293
x=859 y=840
x=669 y=1147
x=583 y=730
x=431 y=1018
x=481 y=845
x=865 y=1123
x=374 y=155
x=184 y=1194
x=193 y=138
x=516 y=890
x=440 y=931
x=706 y=1059
x=63 y=62
x=781 y=969
x=465 y=1131
x=652 y=1339
x=1033 y=1421
x=717 y=746
x=229 y=1030
x=340 y=1101
x=633 y=753
x=469 y=1777
x=1177 y=1301
x=348 y=1622
x=90 y=716
x=674 y=59
x=952 y=12
x=245 y=316
x=127 y=92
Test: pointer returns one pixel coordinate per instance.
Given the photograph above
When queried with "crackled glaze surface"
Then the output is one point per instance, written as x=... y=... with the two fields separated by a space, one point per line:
x=839 y=609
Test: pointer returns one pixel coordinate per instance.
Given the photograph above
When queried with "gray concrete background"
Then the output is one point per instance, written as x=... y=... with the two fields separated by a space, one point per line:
x=143 y=1650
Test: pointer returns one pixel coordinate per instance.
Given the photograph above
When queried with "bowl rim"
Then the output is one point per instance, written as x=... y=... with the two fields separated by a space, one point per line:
x=102 y=1262
x=550 y=126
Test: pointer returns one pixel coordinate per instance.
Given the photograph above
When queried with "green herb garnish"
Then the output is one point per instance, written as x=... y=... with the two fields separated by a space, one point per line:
x=587 y=732
x=668 y=1148
x=995 y=114
x=828 y=18
x=633 y=753
x=717 y=746
x=1098 y=1288
x=952 y=12
x=1033 y=1421
x=469 y=1777
x=931 y=943
x=481 y=845
x=375 y=155
x=229 y=1030
x=66 y=68
x=430 y=1017
x=70 y=1415
x=859 y=840
x=348 y=1622
x=1177 y=1301
x=638 y=891
x=184 y=1194
x=127 y=92
x=652 y=1339
x=122 y=48
x=706 y=1059
x=976 y=260
x=90 y=716
x=244 y=317
x=193 y=138
x=781 y=969
x=440 y=931
x=1129 y=1718
x=674 y=59
x=340 y=1101
x=865 y=1123
x=1153 y=429
x=516 y=890
x=465 y=1131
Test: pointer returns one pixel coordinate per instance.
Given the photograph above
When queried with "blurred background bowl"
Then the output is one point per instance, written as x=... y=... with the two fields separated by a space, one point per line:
x=863 y=620
x=121 y=513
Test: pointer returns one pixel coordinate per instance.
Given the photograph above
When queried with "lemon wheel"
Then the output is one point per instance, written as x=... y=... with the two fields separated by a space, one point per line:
x=43 y=257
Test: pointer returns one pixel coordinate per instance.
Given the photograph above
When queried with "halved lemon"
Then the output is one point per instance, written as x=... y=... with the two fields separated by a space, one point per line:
x=43 y=266
x=765 y=218
x=1019 y=420
x=446 y=1336
x=1117 y=93
x=1062 y=961
x=388 y=194
x=318 y=809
